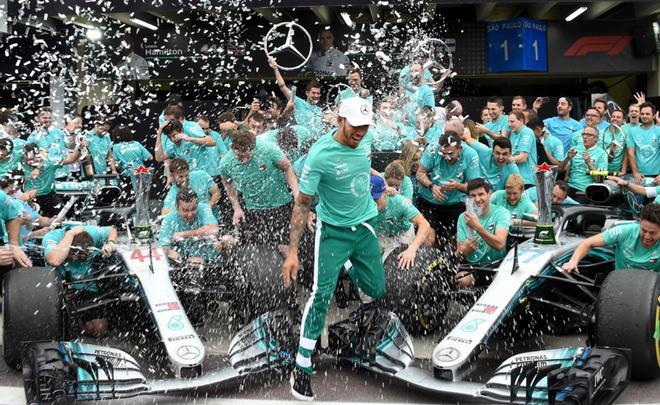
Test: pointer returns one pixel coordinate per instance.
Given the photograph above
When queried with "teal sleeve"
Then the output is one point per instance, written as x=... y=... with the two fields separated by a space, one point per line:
x=408 y=210
x=193 y=129
x=472 y=170
x=426 y=98
x=483 y=151
x=461 y=234
x=526 y=143
x=407 y=188
x=630 y=141
x=601 y=164
x=206 y=214
x=529 y=205
x=51 y=239
x=170 y=198
x=168 y=146
x=8 y=210
x=275 y=153
x=166 y=230
x=144 y=153
x=616 y=234
x=223 y=169
x=427 y=158
x=503 y=221
x=99 y=234
x=310 y=177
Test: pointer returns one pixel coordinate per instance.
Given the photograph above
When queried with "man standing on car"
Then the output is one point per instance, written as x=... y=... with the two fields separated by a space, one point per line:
x=337 y=169
x=71 y=252
x=636 y=245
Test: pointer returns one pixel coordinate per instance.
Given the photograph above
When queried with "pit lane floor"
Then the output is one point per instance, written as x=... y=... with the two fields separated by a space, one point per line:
x=333 y=382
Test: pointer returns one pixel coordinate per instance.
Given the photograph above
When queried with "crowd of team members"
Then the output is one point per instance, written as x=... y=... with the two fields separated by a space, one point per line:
x=245 y=174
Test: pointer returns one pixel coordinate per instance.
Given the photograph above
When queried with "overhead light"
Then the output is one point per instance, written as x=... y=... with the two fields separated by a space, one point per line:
x=576 y=13
x=347 y=19
x=143 y=23
x=93 y=34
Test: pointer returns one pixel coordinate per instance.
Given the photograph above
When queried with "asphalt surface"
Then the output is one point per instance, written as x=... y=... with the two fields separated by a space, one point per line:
x=332 y=381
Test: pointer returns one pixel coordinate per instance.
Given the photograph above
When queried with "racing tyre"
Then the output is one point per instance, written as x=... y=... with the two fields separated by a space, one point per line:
x=263 y=289
x=626 y=315
x=419 y=296
x=32 y=305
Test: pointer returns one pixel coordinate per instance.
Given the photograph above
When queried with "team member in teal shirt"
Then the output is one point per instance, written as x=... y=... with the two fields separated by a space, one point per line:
x=191 y=219
x=514 y=200
x=494 y=163
x=523 y=143
x=421 y=97
x=397 y=220
x=290 y=139
x=592 y=119
x=40 y=173
x=10 y=158
x=215 y=153
x=636 y=245
x=442 y=176
x=499 y=122
x=307 y=112
x=199 y=181
x=49 y=139
x=396 y=179
x=71 y=252
x=552 y=151
x=563 y=126
x=10 y=216
x=481 y=236
x=128 y=154
x=337 y=169
x=260 y=172
x=581 y=160
x=99 y=145
x=613 y=141
x=646 y=191
x=643 y=144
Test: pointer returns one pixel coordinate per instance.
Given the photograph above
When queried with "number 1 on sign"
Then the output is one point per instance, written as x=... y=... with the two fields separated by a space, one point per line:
x=535 y=45
x=505 y=46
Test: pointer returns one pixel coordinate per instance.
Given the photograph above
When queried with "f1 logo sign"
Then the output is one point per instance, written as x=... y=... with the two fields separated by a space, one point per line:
x=610 y=44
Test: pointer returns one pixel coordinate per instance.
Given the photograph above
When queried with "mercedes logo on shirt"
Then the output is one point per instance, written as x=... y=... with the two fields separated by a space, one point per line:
x=188 y=352
x=447 y=354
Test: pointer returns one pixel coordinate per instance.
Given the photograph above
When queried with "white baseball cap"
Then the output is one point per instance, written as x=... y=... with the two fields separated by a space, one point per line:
x=357 y=111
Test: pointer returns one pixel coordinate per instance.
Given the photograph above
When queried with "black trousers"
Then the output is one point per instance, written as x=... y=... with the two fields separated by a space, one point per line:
x=267 y=227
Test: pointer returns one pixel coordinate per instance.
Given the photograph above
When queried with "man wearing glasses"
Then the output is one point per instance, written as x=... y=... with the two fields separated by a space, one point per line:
x=586 y=156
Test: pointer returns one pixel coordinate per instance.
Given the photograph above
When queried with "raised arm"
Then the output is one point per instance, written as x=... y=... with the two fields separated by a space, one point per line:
x=280 y=80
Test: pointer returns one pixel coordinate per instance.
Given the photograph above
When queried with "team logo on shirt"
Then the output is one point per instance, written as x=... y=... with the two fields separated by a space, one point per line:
x=360 y=185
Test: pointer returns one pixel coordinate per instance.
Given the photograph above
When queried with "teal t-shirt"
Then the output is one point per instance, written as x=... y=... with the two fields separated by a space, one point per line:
x=260 y=181
x=174 y=223
x=617 y=137
x=499 y=126
x=422 y=97
x=440 y=172
x=495 y=176
x=198 y=181
x=562 y=129
x=497 y=218
x=525 y=141
x=555 y=147
x=215 y=153
x=405 y=80
x=98 y=147
x=407 y=188
x=629 y=252
x=45 y=181
x=195 y=154
x=524 y=206
x=341 y=176
x=12 y=163
x=385 y=137
x=8 y=210
x=308 y=115
x=129 y=156
x=303 y=136
x=396 y=218
x=77 y=270
x=646 y=143
x=579 y=176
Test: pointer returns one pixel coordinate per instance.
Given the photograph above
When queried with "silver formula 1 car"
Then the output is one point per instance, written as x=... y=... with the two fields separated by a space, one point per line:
x=620 y=314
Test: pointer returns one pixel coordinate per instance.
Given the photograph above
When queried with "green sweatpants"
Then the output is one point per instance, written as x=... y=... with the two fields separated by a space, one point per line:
x=333 y=247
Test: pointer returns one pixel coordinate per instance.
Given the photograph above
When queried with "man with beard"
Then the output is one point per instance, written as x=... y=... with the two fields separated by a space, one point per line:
x=198 y=181
x=644 y=144
x=550 y=149
x=636 y=245
x=481 y=236
x=498 y=125
x=337 y=169
x=514 y=200
x=563 y=126
x=421 y=97
x=494 y=163
x=307 y=112
x=613 y=141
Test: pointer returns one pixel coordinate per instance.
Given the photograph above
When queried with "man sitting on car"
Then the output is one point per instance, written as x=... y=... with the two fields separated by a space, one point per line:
x=191 y=219
x=636 y=245
x=71 y=251
x=481 y=236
